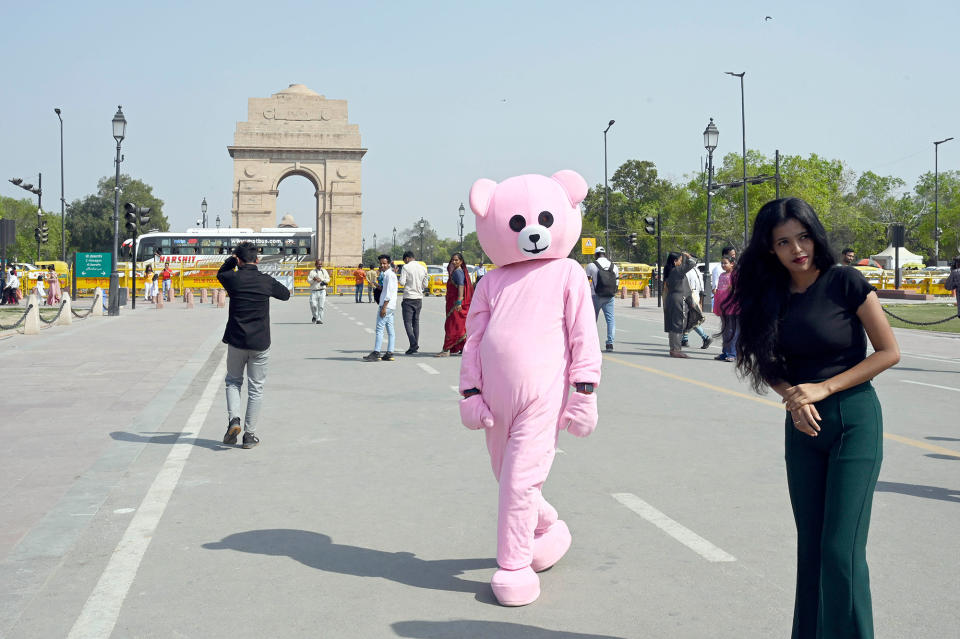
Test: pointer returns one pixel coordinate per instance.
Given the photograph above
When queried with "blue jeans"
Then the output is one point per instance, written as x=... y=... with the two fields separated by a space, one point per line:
x=606 y=304
x=359 y=293
x=384 y=322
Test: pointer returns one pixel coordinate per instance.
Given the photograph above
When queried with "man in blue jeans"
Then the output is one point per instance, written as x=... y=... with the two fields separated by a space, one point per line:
x=604 y=300
x=388 y=305
x=247 y=336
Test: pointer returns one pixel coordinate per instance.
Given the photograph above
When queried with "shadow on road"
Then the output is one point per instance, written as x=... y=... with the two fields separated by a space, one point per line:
x=943 y=439
x=917 y=490
x=167 y=438
x=461 y=628
x=318 y=551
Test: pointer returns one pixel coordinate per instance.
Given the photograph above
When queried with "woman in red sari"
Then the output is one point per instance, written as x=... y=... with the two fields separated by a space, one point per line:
x=459 y=294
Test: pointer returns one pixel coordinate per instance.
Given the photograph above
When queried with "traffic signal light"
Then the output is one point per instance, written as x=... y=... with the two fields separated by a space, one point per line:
x=36 y=233
x=633 y=239
x=44 y=232
x=135 y=214
x=650 y=225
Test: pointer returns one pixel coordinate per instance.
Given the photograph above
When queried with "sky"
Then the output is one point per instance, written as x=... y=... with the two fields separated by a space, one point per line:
x=445 y=93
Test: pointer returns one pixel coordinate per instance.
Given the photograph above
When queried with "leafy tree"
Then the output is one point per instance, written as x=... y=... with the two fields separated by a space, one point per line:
x=24 y=214
x=90 y=219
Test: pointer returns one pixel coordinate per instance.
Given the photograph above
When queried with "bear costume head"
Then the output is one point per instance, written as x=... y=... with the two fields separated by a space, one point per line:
x=528 y=217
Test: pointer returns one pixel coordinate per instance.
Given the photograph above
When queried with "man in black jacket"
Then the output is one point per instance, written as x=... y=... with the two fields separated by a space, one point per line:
x=247 y=336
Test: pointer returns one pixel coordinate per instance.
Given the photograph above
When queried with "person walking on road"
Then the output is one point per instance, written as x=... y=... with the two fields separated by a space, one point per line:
x=717 y=269
x=247 y=336
x=804 y=324
x=952 y=282
x=373 y=279
x=679 y=314
x=459 y=295
x=695 y=279
x=149 y=284
x=414 y=280
x=53 y=286
x=604 y=283
x=318 y=279
x=387 y=306
x=166 y=275
x=359 y=278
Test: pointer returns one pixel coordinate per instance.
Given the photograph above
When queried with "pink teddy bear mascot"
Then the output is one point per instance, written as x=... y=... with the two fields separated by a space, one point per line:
x=530 y=363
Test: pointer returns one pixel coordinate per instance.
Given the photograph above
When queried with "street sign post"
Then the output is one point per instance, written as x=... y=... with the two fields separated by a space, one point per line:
x=93 y=264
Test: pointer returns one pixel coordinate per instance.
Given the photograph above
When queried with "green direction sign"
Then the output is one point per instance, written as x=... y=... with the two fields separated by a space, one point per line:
x=94 y=264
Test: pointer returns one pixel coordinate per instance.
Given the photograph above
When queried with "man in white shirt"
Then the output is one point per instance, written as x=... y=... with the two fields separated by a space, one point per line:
x=11 y=288
x=388 y=305
x=414 y=279
x=318 y=279
x=603 y=298
x=695 y=279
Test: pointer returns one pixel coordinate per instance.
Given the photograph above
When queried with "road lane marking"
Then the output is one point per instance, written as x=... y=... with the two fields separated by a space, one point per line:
x=369 y=330
x=949 y=388
x=455 y=389
x=681 y=533
x=359 y=323
x=429 y=369
x=100 y=612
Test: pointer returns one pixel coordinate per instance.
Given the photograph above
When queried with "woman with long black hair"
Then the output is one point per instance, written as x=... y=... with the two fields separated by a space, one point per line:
x=802 y=324
x=677 y=308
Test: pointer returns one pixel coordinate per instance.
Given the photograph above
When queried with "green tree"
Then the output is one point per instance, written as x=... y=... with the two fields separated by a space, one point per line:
x=24 y=214
x=90 y=219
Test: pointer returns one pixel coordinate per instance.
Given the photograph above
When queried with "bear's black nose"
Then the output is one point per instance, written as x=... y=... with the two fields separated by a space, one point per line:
x=534 y=238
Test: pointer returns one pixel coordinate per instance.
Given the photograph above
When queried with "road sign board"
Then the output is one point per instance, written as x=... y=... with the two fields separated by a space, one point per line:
x=93 y=264
x=588 y=245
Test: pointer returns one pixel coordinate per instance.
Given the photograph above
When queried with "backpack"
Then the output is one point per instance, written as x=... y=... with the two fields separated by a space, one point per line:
x=606 y=284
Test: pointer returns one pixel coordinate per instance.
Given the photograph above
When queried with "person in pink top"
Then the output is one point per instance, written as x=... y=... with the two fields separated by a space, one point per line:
x=531 y=362
x=728 y=311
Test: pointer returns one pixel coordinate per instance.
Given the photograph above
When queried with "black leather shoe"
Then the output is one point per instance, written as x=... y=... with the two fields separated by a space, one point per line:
x=233 y=430
x=372 y=357
x=387 y=357
x=250 y=440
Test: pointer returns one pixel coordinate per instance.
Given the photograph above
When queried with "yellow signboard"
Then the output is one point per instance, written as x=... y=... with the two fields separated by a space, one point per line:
x=588 y=245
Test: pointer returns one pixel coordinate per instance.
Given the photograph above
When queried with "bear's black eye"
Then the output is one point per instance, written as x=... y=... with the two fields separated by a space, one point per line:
x=545 y=219
x=517 y=223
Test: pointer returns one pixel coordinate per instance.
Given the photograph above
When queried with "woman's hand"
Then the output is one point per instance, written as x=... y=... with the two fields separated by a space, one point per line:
x=805 y=420
x=802 y=394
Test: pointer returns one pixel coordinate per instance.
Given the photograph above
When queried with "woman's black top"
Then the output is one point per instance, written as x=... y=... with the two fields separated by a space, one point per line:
x=820 y=333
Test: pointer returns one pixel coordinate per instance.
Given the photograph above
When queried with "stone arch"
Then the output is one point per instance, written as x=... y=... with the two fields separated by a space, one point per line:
x=299 y=132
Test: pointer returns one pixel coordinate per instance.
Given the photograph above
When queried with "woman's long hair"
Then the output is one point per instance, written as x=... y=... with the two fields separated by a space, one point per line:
x=761 y=289
x=671 y=264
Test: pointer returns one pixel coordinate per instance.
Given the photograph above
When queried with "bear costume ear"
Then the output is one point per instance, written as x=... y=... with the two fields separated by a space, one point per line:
x=573 y=184
x=480 y=195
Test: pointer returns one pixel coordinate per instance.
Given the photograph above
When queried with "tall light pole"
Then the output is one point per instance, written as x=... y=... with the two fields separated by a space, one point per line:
x=119 y=133
x=63 y=202
x=936 y=206
x=710 y=137
x=461 y=227
x=374 y=242
x=393 y=249
x=743 y=128
x=606 y=194
x=203 y=210
x=218 y=221
x=422 y=223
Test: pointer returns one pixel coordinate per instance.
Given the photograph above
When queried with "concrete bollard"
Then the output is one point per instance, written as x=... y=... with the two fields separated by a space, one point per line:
x=97 y=310
x=31 y=325
x=66 y=315
x=623 y=292
x=635 y=301
x=160 y=300
x=203 y=296
x=221 y=298
x=645 y=293
x=213 y=297
x=169 y=295
x=188 y=298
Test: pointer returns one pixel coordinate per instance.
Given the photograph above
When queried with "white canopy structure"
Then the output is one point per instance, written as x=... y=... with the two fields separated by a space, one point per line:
x=886 y=258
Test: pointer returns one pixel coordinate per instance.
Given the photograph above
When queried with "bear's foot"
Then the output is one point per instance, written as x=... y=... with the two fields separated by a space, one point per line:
x=515 y=587
x=551 y=546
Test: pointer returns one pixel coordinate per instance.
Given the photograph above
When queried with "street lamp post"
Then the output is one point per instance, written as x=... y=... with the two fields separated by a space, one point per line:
x=743 y=129
x=374 y=242
x=393 y=249
x=203 y=210
x=63 y=202
x=936 y=205
x=119 y=133
x=606 y=194
x=461 y=227
x=218 y=221
x=710 y=137
x=422 y=223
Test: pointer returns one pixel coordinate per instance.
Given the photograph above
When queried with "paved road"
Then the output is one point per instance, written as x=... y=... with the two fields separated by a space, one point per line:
x=368 y=511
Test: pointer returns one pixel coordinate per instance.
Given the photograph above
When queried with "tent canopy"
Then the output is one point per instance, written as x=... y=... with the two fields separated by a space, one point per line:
x=906 y=257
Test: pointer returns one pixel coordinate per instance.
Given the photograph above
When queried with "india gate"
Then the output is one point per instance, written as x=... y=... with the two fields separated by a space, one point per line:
x=300 y=132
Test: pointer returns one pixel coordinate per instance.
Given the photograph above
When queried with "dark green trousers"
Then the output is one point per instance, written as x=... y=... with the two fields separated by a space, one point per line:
x=831 y=479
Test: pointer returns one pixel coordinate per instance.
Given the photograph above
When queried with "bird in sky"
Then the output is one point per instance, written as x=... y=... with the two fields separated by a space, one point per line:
x=765 y=18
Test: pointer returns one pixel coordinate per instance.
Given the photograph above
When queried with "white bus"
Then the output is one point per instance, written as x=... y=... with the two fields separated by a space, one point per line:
x=199 y=246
